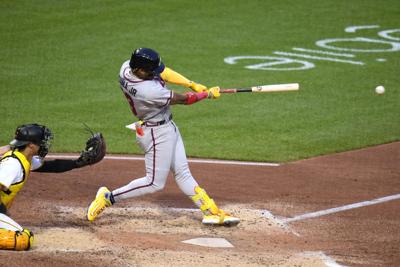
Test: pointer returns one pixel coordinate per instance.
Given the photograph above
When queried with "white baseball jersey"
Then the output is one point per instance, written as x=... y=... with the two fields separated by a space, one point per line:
x=11 y=171
x=161 y=143
x=149 y=99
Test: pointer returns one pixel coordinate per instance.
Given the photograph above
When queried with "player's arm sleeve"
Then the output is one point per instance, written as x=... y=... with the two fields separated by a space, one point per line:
x=57 y=165
x=188 y=98
x=174 y=77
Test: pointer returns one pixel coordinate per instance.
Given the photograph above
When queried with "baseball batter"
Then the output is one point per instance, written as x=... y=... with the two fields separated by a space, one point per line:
x=24 y=154
x=142 y=80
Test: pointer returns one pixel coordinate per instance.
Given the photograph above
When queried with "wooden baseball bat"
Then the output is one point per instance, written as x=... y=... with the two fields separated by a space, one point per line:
x=264 y=88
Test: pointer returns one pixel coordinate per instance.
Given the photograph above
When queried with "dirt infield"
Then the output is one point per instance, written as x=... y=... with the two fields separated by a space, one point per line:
x=149 y=231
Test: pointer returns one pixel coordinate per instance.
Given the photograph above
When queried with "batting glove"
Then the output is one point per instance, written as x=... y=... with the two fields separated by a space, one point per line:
x=213 y=92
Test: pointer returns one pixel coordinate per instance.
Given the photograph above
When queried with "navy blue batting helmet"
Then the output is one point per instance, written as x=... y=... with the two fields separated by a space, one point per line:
x=147 y=59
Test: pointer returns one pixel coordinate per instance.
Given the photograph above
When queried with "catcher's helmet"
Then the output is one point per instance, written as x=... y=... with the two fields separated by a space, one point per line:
x=33 y=133
x=147 y=59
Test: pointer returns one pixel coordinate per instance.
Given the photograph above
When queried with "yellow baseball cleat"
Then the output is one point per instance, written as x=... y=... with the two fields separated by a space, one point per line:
x=212 y=215
x=222 y=218
x=101 y=201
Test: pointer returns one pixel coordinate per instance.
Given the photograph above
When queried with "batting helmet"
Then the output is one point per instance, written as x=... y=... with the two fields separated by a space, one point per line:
x=33 y=133
x=147 y=59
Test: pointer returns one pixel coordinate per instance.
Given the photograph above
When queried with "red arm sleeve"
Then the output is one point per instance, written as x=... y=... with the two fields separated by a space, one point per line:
x=195 y=97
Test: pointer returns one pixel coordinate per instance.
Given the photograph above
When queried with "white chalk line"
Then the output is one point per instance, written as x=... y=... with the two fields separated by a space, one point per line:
x=322 y=52
x=206 y=161
x=267 y=214
x=361 y=27
x=328 y=261
x=342 y=208
x=318 y=58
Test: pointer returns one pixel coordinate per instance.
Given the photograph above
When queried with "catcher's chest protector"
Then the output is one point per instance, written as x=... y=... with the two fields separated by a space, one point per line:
x=8 y=196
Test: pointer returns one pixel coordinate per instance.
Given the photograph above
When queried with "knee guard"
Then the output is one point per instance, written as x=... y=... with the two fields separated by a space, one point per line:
x=16 y=240
x=207 y=205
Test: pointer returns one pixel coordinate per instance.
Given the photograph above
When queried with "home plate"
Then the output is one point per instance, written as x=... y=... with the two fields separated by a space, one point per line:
x=209 y=242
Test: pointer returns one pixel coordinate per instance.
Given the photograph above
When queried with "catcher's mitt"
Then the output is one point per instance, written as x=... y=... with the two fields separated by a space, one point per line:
x=94 y=152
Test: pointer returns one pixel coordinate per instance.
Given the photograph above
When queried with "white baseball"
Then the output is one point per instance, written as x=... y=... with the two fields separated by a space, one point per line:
x=380 y=89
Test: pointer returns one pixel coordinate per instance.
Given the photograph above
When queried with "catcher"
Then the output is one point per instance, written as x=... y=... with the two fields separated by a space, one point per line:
x=24 y=154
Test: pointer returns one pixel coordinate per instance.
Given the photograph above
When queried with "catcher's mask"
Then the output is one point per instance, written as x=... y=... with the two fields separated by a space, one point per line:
x=147 y=59
x=34 y=133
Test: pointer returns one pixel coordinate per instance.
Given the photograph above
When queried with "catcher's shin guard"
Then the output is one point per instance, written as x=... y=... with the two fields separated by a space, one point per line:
x=212 y=215
x=103 y=199
x=16 y=240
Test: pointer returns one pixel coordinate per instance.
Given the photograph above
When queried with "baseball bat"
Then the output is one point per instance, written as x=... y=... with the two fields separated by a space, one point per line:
x=264 y=88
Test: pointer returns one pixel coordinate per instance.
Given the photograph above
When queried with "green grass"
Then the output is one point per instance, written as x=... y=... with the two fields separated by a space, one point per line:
x=60 y=61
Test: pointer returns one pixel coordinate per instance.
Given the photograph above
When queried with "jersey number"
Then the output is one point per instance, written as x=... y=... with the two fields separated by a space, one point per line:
x=133 y=91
